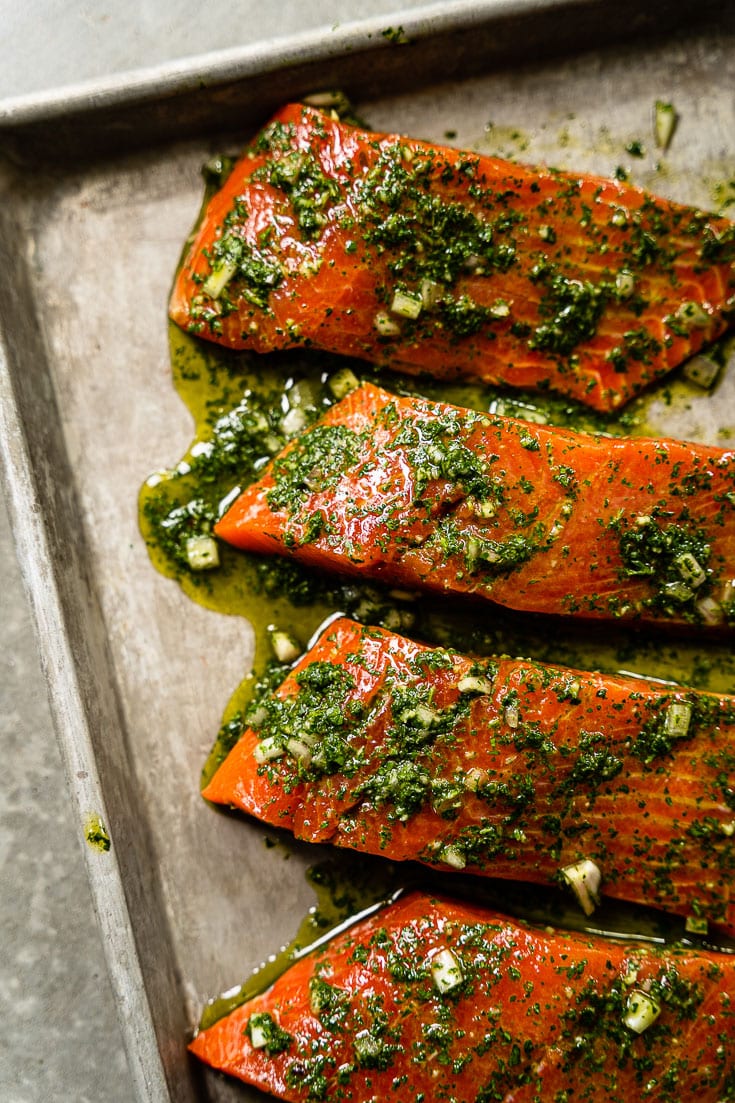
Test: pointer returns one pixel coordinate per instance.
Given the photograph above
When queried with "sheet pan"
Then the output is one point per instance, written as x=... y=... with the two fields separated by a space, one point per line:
x=98 y=189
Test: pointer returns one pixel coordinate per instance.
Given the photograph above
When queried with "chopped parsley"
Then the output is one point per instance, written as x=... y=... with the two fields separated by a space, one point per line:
x=314 y=464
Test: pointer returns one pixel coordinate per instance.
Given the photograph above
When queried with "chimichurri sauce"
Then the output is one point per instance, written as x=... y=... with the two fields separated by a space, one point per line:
x=245 y=408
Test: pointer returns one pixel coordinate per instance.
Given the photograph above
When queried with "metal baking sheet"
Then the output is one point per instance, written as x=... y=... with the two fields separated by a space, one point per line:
x=98 y=190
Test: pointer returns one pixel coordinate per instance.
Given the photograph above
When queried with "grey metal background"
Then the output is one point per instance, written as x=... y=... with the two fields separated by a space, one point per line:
x=138 y=674
x=49 y=43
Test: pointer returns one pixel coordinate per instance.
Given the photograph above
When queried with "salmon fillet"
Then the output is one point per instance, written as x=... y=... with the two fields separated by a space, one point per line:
x=432 y=1000
x=428 y=259
x=506 y=768
x=426 y=495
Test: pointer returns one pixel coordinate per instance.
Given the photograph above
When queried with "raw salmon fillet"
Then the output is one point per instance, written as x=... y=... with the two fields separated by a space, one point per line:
x=425 y=495
x=506 y=768
x=428 y=259
x=432 y=1000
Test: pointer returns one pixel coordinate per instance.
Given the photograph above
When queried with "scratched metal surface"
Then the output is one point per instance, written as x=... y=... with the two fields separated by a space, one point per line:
x=190 y=901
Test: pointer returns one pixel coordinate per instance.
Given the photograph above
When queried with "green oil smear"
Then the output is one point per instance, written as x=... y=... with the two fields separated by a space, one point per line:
x=723 y=195
x=95 y=833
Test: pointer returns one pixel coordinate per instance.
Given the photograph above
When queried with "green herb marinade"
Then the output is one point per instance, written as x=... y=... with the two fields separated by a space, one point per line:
x=245 y=407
